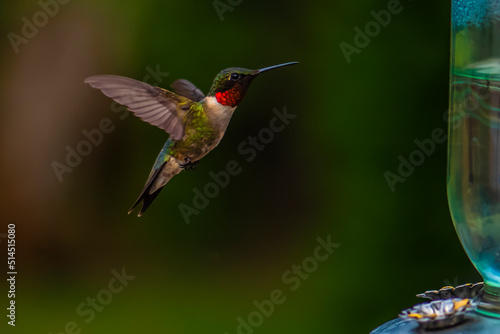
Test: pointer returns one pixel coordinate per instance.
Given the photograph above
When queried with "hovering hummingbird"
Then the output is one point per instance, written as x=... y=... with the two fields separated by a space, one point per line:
x=196 y=123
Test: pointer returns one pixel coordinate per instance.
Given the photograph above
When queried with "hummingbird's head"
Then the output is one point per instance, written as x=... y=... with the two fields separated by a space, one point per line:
x=231 y=84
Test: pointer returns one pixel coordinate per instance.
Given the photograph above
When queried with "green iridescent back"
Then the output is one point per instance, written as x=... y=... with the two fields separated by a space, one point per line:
x=199 y=131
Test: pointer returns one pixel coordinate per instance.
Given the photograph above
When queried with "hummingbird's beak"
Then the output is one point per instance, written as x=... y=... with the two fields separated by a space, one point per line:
x=265 y=69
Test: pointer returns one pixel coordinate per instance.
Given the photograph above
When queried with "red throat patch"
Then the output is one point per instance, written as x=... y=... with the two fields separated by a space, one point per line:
x=230 y=97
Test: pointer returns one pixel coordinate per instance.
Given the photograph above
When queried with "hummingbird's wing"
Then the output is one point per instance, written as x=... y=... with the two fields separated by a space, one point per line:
x=187 y=89
x=154 y=105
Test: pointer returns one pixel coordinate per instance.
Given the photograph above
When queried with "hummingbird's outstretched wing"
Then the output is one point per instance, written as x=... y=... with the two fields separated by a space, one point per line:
x=154 y=105
x=187 y=89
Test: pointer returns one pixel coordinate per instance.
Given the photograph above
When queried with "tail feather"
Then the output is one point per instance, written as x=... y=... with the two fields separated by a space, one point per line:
x=164 y=169
x=146 y=197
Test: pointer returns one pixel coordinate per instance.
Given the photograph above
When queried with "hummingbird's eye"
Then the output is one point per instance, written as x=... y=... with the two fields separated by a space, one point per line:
x=235 y=76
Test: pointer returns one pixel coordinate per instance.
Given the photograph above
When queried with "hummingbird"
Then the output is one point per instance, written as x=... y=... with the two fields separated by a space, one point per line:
x=196 y=123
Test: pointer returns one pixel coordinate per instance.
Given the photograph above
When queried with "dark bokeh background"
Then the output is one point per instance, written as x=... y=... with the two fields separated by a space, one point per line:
x=323 y=175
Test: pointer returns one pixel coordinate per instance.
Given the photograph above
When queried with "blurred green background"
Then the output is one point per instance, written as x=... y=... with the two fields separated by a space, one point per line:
x=323 y=175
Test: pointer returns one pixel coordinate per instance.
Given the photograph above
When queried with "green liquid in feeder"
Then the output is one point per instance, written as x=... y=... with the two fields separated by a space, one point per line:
x=474 y=164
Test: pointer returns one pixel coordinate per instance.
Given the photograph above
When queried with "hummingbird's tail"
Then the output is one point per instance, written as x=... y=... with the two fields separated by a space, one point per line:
x=163 y=170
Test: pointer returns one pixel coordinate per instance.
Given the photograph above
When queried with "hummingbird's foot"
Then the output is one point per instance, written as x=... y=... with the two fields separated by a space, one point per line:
x=189 y=165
